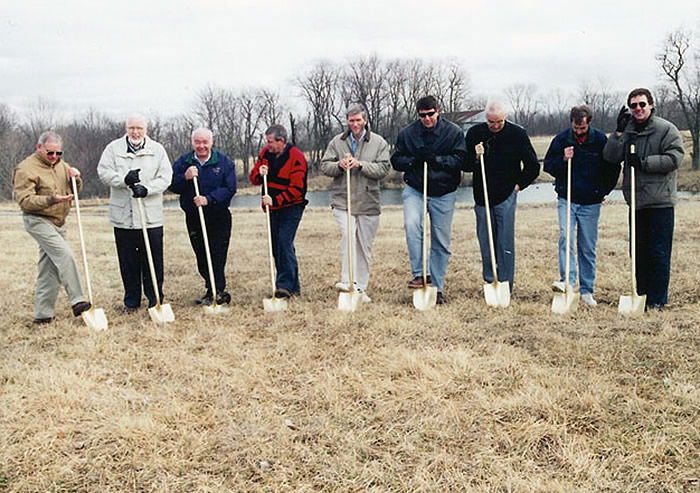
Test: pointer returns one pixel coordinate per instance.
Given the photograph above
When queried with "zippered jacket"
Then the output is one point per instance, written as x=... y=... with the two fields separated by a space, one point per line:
x=286 y=177
x=216 y=179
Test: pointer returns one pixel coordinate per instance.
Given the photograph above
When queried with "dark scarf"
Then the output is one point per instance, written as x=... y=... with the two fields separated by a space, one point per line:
x=135 y=148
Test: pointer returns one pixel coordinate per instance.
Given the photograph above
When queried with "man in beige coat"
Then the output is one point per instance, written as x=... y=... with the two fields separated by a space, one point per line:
x=366 y=155
x=42 y=187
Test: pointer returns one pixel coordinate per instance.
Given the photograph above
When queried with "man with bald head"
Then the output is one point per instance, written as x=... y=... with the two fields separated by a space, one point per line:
x=216 y=177
x=135 y=166
x=504 y=146
x=42 y=187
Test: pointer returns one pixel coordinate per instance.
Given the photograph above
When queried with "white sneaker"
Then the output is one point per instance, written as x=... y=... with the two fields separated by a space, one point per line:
x=365 y=297
x=588 y=299
x=342 y=286
x=559 y=287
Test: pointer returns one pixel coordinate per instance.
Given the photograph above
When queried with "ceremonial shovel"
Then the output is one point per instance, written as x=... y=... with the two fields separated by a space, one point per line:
x=496 y=293
x=158 y=313
x=567 y=301
x=425 y=298
x=632 y=305
x=94 y=318
x=349 y=301
x=214 y=308
x=271 y=304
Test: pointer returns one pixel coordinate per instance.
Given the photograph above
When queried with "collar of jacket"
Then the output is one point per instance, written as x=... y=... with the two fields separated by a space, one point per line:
x=146 y=151
x=436 y=129
x=213 y=159
x=43 y=161
x=283 y=157
x=649 y=128
x=346 y=135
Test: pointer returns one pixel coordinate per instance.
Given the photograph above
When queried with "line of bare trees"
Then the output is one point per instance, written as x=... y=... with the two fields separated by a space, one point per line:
x=388 y=88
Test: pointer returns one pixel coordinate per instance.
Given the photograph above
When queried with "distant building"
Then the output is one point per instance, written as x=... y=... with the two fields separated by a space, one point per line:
x=466 y=119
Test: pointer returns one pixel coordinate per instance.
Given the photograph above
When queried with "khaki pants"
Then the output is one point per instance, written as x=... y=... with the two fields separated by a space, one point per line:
x=364 y=230
x=56 y=266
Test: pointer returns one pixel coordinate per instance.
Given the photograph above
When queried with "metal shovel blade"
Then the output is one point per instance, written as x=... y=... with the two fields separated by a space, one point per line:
x=424 y=298
x=274 y=304
x=95 y=318
x=633 y=305
x=215 y=309
x=565 y=302
x=350 y=301
x=497 y=294
x=161 y=314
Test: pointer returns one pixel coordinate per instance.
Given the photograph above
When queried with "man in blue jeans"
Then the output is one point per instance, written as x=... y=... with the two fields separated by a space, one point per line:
x=592 y=178
x=504 y=146
x=440 y=144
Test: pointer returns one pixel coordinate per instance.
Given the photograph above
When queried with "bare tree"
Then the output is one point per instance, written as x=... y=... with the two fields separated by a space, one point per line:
x=682 y=70
x=522 y=99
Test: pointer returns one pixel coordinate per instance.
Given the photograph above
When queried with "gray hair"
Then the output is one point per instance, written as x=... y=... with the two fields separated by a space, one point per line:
x=203 y=131
x=277 y=131
x=49 y=136
x=356 y=109
x=495 y=107
x=136 y=116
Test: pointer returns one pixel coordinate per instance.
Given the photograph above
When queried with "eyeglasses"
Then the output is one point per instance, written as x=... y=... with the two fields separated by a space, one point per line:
x=641 y=104
x=426 y=114
x=54 y=153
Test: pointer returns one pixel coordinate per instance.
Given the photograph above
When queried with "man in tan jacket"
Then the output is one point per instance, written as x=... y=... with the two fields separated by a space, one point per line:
x=42 y=187
x=366 y=155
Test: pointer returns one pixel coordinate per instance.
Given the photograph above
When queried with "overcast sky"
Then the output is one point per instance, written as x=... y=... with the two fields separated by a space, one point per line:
x=153 y=56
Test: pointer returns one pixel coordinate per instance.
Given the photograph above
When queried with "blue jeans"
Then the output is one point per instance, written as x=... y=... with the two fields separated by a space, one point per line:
x=584 y=234
x=503 y=224
x=654 y=244
x=440 y=210
x=284 y=224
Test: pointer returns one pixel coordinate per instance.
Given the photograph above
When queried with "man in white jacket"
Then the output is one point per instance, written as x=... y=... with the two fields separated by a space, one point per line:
x=136 y=167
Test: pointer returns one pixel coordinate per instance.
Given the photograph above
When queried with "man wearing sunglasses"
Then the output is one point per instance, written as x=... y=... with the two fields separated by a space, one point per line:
x=504 y=146
x=42 y=186
x=657 y=155
x=440 y=144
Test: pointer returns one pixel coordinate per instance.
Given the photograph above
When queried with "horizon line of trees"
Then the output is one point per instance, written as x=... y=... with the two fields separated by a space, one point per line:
x=388 y=88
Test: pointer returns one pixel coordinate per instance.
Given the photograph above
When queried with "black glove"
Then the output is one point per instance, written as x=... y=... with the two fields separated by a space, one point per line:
x=132 y=177
x=634 y=160
x=424 y=154
x=623 y=119
x=139 y=191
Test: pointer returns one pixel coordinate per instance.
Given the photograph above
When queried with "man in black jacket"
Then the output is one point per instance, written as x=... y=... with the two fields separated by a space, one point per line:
x=440 y=144
x=504 y=146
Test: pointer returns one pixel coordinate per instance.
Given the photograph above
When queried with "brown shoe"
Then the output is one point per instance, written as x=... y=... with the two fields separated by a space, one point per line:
x=43 y=321
x=417 y=282
x=440 y=300
x=80 y=307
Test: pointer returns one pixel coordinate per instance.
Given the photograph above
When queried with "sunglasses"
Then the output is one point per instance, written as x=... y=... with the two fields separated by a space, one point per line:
x=426 y=114
x=641 y=104
x=54 y=153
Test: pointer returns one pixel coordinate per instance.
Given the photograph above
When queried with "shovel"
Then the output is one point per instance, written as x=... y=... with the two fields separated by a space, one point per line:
x=271 y=304
x=567 y=301
x=350 y=300
x=496 y=293
x=424 y=298
x=159 y=313
x=634 y=304
x=94 y=318
x=214 y=308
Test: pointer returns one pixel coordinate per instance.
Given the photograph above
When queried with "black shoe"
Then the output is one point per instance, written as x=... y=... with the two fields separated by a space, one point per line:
x=223 y=298
x=282 y=293
x=440 y=300
x=129 y=309
x=43 y=321
x=80 y=307
x=204 y=300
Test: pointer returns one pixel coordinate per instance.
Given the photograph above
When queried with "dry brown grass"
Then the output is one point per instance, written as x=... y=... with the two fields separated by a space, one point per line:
x=462 y=398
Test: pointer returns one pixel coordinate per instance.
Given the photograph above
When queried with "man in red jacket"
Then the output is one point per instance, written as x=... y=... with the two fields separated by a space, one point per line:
x=285 y=167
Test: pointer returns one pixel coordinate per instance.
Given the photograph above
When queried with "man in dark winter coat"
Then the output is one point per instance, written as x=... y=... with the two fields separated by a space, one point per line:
x=216 y=177
x=592 y=178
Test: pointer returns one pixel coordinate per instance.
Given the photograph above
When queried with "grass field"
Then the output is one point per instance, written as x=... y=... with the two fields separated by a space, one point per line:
x=461 y=398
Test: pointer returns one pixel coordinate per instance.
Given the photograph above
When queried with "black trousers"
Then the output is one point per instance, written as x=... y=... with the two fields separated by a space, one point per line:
x=218 y=224
x=133 y=264
x=654 y=241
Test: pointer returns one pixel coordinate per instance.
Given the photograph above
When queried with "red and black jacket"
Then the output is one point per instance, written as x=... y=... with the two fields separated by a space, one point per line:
x=286 y=177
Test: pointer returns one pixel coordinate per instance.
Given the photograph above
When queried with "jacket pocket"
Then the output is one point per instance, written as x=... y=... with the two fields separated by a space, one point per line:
x=153 y=206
